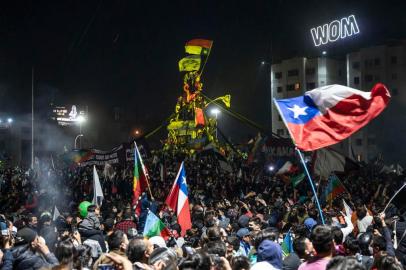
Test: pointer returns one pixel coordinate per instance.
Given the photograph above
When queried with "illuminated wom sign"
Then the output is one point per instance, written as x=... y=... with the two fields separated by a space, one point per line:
x=335 y=30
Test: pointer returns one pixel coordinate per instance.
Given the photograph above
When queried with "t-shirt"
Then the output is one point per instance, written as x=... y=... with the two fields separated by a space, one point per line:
x=319 y=264
x=263 y=266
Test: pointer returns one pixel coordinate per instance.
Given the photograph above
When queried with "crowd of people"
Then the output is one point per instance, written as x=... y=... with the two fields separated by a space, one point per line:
x=243 y=217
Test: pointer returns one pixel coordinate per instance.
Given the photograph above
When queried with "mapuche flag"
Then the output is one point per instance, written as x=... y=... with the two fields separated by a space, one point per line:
x=140 y=181
x=333 y=189
x=198 y=46
x=329 y=114
x=178 y=200
x=155 y=227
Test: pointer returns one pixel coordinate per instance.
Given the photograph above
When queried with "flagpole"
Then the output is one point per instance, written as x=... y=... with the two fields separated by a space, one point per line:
x=142 y=167
x=304 y=164
x=397 y=192
x=311 y=184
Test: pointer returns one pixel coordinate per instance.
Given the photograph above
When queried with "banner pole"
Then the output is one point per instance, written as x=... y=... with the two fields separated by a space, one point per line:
x=311 y=184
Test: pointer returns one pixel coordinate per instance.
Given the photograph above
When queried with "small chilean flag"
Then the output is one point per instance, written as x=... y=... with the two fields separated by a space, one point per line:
x=178 y=200
x=329 y=114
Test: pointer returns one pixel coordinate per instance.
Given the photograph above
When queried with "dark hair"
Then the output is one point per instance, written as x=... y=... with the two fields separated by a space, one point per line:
x=64 y=251
x=338 y=235
x=209 y=221
x=177 y=227
x=270 y=233
x=379 y=243
x=30 y=217
x=313 y=213
x=213 y=234
x=91 y=208
x=197 y=261
x=322 y=238
x=385 y=262
x=351 y=244
x=240 y=262
x=83 y=257
x=115 y=240
x=234 y=241
x=344 y=263
x=136 y=249
x=108 y=224
x=299 y=246
x=216 y=247
x=127 y=213
x=361 y=212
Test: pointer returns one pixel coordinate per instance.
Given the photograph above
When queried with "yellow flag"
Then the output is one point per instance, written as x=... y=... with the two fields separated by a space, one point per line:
x=190 y=63
x=226 y=100
x=193 y=49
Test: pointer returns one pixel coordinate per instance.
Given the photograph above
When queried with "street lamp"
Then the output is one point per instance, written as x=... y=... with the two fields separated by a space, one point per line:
x=9 y=120
x=78 y=136
x=215 y=112
x=81 y=119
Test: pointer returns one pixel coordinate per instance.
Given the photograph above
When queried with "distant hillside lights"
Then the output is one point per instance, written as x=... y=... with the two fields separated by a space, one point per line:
x=335 y=30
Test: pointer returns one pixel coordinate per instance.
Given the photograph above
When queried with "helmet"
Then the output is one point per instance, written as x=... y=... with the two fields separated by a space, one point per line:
x=364 y=240
x=83 y=208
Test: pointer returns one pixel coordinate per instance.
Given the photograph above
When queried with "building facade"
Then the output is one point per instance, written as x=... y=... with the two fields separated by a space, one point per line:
x=293 y=77
x=360 y=70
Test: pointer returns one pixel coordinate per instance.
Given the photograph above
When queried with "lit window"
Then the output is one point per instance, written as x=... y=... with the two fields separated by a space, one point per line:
x=297 y=86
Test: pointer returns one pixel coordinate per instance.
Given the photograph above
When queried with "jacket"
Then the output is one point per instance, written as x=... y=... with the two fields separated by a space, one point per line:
x=26 y=259
x=91 y=222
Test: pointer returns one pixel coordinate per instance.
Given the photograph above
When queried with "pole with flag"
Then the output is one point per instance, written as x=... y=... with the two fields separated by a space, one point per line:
x=97 y=190
x=140 y=180
x=287 y=244
x=155 y=227
x=327 y=115
x=178 y=200
x=56 y=214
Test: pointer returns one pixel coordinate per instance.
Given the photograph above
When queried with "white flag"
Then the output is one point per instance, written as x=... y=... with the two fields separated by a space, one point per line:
x=97 y=190
x=285 y=168
x=56 y=214
x=347 y=208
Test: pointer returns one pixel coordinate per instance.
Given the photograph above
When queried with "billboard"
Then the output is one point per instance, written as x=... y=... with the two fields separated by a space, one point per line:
x=69 y=115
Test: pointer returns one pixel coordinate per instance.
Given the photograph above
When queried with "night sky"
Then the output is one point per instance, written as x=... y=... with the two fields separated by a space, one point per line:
x=125 y=52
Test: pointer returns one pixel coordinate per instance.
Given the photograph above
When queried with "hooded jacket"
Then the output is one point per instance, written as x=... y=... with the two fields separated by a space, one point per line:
x=26 y=259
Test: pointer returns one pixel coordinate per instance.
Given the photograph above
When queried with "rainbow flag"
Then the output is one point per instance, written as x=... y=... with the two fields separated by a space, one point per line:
x=155 y=227
x=334 y=189
x=140 y=181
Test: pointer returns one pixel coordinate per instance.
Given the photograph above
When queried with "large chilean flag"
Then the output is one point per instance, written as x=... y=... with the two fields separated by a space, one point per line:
x=178 y=200
x=329 y=114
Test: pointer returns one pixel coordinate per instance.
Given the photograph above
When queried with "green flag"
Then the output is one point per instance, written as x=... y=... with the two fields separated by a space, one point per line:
x=295 y=180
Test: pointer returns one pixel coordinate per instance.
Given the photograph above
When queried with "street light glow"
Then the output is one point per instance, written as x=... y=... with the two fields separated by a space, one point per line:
x=324 y=53
x=9 y=120
x=81 y=119
x=215 y=111
x=271 y=168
